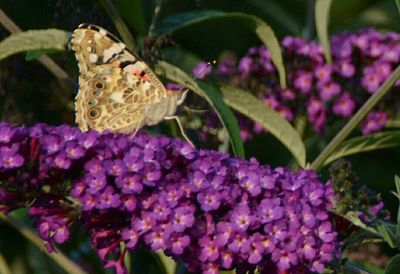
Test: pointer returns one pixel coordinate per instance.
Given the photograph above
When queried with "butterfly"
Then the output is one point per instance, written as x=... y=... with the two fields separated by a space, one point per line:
x=117 y=90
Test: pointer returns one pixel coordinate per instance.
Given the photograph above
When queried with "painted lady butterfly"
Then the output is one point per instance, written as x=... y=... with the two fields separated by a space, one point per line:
x=117 y=90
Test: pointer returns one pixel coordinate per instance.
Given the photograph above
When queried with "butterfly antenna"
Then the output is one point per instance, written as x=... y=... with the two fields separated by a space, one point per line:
x=195 y=77
x=185 y=90
x=156 y=14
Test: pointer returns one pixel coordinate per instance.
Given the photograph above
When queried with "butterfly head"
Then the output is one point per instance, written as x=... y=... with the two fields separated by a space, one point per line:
x=179 y=94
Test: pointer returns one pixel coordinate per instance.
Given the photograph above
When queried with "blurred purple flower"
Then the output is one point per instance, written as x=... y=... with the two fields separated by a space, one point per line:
x=303 y=81
x=201 y=70
x=329 y=90
x=245 y=65
x=375 y=121
x=361 y=62
x=371 y=80
x=344 y=106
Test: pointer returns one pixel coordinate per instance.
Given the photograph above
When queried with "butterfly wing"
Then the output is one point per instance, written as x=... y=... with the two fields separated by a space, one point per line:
x=116 y=88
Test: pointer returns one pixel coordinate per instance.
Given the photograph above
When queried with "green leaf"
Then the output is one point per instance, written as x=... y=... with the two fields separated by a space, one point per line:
x=226 y=116
x=213 y=97
x=133 y=11
x=180 y=57
x=280 y=14
x=4 y=268
x=397 y=194
x=393 y=122
x=169 y=264
x=386 y=235
x=380 y=140
x=185 y=19
x=255 y=109
x=253 y=23
x=146 y=262
x=35 y=54
x=322 y=8
x=398 y=5
x=393 y=266
x=49 y=39
x=381 y=14
x=357 y=267
x=397 y=183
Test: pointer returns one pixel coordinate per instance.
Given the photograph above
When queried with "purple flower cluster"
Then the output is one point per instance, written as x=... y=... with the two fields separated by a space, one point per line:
x=323 y=92
x=201 y=207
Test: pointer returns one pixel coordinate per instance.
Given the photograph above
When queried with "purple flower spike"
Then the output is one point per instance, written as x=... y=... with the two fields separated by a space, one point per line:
x=204 y=208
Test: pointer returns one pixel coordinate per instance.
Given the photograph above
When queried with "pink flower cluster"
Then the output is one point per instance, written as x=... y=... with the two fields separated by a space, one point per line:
x=322 y=92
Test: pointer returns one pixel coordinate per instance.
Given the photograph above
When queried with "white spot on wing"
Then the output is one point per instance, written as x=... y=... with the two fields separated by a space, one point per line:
x=93 y=58
x=97 y=36
x=117 y=97
x=108 y=53
x=146 y=85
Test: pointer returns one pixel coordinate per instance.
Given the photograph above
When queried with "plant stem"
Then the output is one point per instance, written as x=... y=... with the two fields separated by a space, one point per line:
x=119 y=23
x=157 y=10
x=355 y=120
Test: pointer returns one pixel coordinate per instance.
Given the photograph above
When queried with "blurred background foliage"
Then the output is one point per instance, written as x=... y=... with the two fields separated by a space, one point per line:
x=30 y=94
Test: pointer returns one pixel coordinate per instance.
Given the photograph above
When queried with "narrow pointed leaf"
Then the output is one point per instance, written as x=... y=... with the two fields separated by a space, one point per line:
x=213 y=97
x=253 y=23
x=380 y=140
x=322 y=8
x=169 y=264
x=49 y=39
x=397 y=194
x=255 y=109
x=386 y=235
x=35 y=54
x=397 y=182
x=4 y=268
x=398 y=5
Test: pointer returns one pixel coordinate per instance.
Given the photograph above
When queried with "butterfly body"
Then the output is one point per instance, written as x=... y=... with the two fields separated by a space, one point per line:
x=117 y=90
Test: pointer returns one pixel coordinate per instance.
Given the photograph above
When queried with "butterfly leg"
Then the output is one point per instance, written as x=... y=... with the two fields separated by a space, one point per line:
x=139 y=125
x=176 y=118
x=191 y=110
